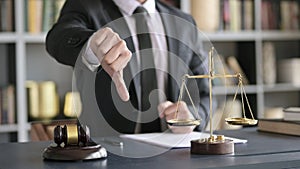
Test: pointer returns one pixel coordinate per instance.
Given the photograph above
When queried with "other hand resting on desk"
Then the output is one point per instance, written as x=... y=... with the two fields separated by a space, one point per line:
x=168 y=109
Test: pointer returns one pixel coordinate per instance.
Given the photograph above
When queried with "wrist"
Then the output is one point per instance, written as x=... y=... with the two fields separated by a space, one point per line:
x=89 y=58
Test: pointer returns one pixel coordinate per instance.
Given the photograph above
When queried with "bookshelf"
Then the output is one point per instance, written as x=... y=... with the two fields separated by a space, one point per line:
x=29 y=49
x=286 y=44
x=31 y=63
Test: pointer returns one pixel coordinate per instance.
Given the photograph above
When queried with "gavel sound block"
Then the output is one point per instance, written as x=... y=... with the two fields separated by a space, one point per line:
x=73 y=143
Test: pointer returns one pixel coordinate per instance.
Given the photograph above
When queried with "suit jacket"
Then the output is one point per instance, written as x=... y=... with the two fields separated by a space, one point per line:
x=79 y=19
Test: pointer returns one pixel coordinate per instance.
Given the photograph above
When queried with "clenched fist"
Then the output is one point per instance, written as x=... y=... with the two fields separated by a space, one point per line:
x=113 y=55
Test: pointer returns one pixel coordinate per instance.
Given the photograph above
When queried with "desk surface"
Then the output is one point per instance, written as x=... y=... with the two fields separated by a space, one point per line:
x=263 y=150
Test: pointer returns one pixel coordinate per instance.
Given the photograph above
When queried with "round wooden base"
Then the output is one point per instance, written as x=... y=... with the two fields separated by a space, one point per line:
x=74 y=153
x=203 y=146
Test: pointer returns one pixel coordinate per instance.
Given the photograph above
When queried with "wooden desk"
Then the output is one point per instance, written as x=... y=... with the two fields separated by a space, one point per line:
x=263 y=150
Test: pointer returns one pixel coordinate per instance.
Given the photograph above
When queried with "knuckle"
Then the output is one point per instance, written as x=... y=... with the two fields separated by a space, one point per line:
x=101 y=51
x=95 y=43
x=116 y=36
x=97 y=33
x=107 y=29
x=106 y=60
x=127 y=53
x=122 y=44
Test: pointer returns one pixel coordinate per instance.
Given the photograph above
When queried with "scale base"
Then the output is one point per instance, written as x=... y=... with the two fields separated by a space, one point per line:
x=75 y=153
x=212 y=146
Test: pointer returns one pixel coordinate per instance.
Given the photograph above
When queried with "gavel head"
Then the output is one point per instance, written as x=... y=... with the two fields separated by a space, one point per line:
x=71 y=135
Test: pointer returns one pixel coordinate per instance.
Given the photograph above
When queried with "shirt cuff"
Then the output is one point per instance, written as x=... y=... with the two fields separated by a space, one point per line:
x=89 y=58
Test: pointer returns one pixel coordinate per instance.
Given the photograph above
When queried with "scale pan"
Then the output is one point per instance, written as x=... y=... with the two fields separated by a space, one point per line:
x=241 y=121
x=183 y=122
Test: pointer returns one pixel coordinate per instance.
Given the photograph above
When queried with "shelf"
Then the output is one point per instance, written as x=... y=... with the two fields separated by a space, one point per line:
x=212 y=36
x=35 y=38
x=283 y=87
x=7 y=37
x=222 y=90
x=231 y=36
x=252 y=35
x=252 y=89
x=11 y=37
x=280 y=35
x=8 y=128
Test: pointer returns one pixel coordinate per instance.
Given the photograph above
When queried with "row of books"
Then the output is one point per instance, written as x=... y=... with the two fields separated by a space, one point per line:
x=284 y=70
x=6 y=15
x=231 y=15
x=280 y=15
x=236 y=15
x=40 y=15
x=7 y=105
x=44 y=102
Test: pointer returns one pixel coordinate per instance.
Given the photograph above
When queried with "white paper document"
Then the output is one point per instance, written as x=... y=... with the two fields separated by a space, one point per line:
x=171 y=140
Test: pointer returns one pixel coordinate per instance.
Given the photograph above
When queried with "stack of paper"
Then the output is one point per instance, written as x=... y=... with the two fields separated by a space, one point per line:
x=171 y=140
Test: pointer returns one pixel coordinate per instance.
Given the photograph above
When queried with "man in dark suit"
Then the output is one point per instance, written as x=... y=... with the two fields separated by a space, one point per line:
x=101 y=34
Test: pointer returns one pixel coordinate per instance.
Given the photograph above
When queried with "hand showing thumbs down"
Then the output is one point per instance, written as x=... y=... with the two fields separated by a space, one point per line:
x=113 y=54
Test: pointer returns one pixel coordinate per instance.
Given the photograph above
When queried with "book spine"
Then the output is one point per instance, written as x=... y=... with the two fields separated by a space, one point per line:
x=4 y=116
x=249 y=15
x=235 y=15
x=2 y=16
x=11 y=104
x=221 y=19
x=285 y=15
x=48 y=98
x=226 y=15
x=1 y=104
x=200 y=11
x=34 y=12
x=33 y=99
x=294 y=6
x=6 y=15
x=48 y=14
x=264 y=15
x=276 y=12
x=9 y=16
x=235 y=66
x=39 y=130
x=57 y=7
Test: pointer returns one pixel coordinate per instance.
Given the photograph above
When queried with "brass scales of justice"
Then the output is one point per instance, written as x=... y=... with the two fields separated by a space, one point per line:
x=214 y=144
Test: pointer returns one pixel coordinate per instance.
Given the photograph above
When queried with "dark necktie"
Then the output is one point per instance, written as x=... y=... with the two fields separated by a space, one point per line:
x=148 y=73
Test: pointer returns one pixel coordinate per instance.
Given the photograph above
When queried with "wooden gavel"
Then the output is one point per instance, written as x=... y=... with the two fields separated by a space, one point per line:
x=71 y=135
